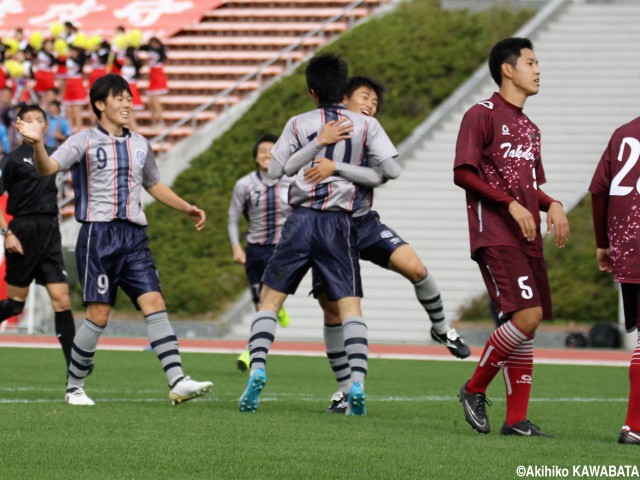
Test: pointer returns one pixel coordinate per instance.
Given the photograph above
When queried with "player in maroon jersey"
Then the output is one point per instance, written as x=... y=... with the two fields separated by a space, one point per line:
x=615 y=195
x=498 y=164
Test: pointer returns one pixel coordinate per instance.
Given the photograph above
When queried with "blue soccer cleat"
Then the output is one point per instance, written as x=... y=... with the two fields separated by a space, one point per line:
x=251 y=396
x=356 y=404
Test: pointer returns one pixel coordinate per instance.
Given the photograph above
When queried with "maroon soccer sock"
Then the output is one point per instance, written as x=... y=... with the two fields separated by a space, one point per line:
x=633 y=409
x=499 y=347
x=517 y=372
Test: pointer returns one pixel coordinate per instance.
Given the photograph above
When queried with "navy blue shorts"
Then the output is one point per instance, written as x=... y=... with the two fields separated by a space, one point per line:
x=376 y=243
x=111 y=255
x=39 y=236
x=324 y=240
x=257 y=259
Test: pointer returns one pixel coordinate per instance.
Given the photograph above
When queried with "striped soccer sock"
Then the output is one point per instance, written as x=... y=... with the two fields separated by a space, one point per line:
x=263 y=333
x=428 y=294
x=357 y=347
x=334 y=343
x=165 y=345
x=518 y=372
x=82 y=352
x=501 y=344
x=633 y=408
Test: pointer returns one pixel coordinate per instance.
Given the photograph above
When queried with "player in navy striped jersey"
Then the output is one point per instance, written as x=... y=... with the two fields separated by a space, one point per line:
x=110 y=165
x=264 y=203
x=320 y=230
x=498 y=164
x=379 y=244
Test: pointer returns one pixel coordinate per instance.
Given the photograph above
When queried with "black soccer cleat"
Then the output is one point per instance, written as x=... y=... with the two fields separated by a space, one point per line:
x=339 y=403
x=523 y=428
x=475 y=412
x=628 y=436
x=453 y=341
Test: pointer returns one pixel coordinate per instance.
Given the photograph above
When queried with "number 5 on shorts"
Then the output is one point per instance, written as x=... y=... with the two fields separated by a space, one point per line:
x=526 y=293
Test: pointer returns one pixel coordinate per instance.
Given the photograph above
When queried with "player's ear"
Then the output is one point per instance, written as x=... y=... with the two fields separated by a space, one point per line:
x=507 y=71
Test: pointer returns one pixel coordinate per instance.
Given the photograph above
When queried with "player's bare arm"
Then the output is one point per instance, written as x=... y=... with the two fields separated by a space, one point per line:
x=32 y=133
x=163 y=194
x=11 y=242
x=558 y=222
x=525 y=220
x=603 y=255
x=239 y=255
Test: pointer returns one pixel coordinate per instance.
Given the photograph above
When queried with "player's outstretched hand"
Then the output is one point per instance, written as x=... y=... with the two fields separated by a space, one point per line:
x=198 y=216
x=334 y=131
x=12 y=244
x=557 y=220
x=322 y=168
x=31 y=131
x=603 y=255
x=524 y=219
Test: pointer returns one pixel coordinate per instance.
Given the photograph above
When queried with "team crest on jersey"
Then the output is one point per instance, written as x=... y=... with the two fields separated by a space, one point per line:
x=486 y=103
x=386 y=234
x=141 y=157
x=505 y=130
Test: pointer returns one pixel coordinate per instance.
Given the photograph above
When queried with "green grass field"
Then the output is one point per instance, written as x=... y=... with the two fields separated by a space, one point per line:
x=414 y=427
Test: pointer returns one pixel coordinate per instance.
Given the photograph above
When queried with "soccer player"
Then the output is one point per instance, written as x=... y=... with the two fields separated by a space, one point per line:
x=32 y=242
x=615 y=195
x=498 y=164
x=379 y=244
x=320 y=230
x=264 y=203
x=110 y=165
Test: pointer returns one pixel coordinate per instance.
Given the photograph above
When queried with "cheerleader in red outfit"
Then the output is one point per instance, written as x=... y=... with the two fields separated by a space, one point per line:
x=43 y=66
x=130 y=71
x=99 y=59
x=75 y=94
x=157 y=79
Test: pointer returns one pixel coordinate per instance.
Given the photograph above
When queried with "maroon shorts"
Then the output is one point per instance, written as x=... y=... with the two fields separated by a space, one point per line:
x=631 y=305
x=514 y=280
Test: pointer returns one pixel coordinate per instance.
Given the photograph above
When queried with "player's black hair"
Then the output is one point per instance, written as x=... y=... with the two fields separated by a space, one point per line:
x=108 y=84
x=265 y=137
x=327 y=76
x=506 y=51
x=31 y=108
x=357 y=82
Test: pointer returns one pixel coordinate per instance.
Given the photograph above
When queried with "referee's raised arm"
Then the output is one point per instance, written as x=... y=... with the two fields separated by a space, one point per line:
x=33 y=135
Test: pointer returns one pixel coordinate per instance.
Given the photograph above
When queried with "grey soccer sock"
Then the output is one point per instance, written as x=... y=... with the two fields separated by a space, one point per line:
x=263 y=332
x=428 y=295
x=82 y=352
x=334 y=343
x=356 y=346
x=165 y=345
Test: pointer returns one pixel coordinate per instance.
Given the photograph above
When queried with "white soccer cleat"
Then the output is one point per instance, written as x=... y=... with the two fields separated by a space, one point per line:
x=78 y=397
x=186 y=389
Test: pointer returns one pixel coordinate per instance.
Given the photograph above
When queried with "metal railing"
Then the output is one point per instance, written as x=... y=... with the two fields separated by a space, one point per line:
x=257 y=74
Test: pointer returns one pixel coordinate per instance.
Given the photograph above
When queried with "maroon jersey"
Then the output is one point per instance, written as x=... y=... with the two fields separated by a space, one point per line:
x=617 y=178
x=503 y=145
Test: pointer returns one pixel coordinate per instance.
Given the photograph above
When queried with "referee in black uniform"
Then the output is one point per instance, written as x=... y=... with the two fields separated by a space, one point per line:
x=32 y=242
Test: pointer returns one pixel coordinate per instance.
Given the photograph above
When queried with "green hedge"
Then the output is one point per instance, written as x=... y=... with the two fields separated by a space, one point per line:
x=439 y=50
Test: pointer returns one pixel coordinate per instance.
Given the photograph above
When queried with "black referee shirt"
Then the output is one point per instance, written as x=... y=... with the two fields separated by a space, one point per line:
x=29 y=192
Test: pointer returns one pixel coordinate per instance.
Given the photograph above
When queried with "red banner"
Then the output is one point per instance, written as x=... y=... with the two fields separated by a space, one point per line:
x=163 y=18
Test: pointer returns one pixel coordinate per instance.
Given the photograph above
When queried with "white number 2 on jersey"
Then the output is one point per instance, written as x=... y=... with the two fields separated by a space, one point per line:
x=526 y=293
x=629 y=163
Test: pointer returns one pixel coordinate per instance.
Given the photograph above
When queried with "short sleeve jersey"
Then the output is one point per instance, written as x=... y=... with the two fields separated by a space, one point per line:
x=29 y=192
x=108 y=174
x=617 y=177
x=503 y=145
x=264 y=203
x=368 y=139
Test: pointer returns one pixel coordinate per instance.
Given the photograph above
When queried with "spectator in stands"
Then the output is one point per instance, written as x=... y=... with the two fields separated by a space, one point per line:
x=59 y=129
x=75 y=94
x=99 y=59
x=130 y=71
x=157 y=80
x=43 y=68
x=4 y=140
x=32 y=242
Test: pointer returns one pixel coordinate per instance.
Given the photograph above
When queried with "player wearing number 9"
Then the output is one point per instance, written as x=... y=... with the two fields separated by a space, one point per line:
x=615 y=195
x=110 y=165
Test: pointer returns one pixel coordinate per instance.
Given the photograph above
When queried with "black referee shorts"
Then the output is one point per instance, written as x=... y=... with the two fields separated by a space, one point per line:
x=42 y=246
